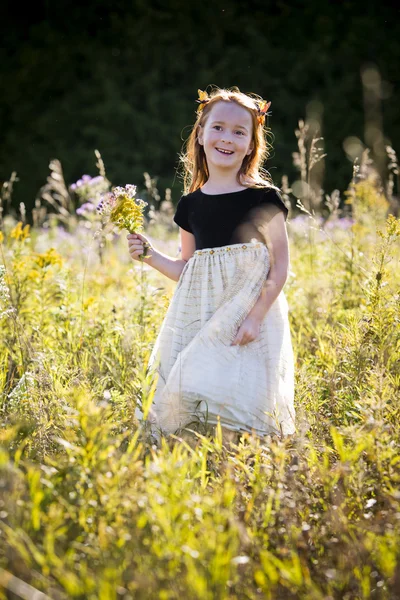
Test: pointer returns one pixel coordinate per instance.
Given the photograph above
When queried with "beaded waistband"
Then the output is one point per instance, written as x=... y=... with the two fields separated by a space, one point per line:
x=231 y=248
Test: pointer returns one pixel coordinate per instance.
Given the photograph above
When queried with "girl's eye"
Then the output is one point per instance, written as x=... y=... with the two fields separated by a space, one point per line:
x=219 y=127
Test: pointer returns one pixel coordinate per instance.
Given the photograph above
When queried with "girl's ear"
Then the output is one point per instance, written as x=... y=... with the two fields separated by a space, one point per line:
x=251 y=147
x=200 y=135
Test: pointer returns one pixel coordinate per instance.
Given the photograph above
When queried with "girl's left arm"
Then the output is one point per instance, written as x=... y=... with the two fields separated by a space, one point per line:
x=278 y=246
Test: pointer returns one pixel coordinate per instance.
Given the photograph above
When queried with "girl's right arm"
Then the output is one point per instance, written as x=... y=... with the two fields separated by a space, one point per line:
x=171 y=267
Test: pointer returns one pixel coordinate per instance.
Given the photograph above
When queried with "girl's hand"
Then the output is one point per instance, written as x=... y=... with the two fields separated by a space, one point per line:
x=248 y=331
x=136 y=242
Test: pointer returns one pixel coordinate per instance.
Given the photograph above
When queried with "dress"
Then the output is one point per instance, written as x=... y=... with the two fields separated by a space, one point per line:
x=200 y=376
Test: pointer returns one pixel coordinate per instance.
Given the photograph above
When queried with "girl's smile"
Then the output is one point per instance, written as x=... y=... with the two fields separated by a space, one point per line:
x=224 y=151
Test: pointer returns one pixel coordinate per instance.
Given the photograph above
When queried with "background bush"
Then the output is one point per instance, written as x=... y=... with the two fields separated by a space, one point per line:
x=123 y=78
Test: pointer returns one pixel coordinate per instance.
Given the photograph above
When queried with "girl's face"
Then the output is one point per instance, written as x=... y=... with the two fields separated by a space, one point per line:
x=227 y=135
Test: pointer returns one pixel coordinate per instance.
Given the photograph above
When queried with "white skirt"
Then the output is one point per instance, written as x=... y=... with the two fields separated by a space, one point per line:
x=201 y=376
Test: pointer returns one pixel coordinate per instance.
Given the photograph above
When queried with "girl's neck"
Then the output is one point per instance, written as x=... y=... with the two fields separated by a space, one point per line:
x=222 y=186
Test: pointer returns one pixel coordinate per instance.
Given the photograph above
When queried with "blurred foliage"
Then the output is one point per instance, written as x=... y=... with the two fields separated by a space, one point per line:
x=123 y=78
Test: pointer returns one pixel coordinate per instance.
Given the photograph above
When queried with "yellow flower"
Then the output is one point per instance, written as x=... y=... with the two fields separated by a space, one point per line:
x=124 y=210
x=203 y=99
x=393 y=225
x=365 y=196
x=392 y=228
x=33 y=275
x=1 y=237
x=88 y=302
x=51 y=257
x=128 y=213
x=20 y=233
x=165 y=301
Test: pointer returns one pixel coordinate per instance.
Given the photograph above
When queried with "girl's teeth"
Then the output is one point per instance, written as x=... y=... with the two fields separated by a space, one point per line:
x=223 y=151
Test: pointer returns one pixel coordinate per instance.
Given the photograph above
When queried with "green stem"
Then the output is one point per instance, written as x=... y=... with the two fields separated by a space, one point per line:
x=142 y=303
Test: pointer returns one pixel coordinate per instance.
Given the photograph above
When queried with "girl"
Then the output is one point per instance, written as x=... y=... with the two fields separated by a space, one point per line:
x=224 y=348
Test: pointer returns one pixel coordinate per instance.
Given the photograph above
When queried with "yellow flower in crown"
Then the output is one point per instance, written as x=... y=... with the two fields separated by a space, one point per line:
x=262 y=108
x=203 y=99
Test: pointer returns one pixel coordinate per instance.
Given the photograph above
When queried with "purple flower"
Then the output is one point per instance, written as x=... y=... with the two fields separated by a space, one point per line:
x=63 y=234
x=86 y=178
x=131 y=190
x=106 y=203
x=300 y=223
x=346 y=222
x=85 y=208
x=330 y=224
x=96 y=180
x=343 y=223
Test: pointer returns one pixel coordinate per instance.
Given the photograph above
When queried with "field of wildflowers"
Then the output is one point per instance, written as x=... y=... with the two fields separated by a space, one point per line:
x=91 y=509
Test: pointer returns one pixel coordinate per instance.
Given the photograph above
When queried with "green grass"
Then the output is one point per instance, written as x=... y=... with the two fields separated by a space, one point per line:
x=90 y=509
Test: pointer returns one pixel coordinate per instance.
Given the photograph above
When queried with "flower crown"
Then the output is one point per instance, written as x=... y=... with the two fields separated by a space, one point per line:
x=262 y=106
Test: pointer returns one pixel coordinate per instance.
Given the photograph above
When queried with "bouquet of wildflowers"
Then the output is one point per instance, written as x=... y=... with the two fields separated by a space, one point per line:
x=124 y=210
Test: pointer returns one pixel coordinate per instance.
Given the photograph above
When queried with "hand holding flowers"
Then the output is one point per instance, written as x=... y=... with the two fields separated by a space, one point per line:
x=126 y=212
x=138 y=244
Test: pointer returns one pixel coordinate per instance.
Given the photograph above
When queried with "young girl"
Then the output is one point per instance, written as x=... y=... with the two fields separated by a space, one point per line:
x=224 y=348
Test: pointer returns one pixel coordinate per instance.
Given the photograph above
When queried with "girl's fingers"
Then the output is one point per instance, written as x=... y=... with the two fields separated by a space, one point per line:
x=135 y=255
x=136 y=249
x=136 y=236
x=136 y=245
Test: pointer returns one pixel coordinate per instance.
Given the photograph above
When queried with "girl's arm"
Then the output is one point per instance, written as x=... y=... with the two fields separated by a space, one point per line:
x=171 y=267
x=278 y=246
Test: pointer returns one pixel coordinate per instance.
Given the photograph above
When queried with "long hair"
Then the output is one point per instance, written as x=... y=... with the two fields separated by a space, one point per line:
x=251 y=173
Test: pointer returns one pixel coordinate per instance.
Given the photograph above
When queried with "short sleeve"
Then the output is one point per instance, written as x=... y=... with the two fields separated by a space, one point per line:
x=273 y=198
x=181 y=216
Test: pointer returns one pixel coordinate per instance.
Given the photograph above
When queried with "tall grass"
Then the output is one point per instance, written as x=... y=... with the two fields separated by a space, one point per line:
x=90 y=508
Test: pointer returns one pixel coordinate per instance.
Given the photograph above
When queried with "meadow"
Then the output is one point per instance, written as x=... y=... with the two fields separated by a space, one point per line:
x=91 y=508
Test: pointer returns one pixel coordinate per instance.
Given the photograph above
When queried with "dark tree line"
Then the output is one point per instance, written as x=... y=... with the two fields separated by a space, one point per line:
x=122 y=77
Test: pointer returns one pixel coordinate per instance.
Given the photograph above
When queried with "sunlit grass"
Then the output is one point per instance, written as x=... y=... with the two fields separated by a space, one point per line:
x=91 y=508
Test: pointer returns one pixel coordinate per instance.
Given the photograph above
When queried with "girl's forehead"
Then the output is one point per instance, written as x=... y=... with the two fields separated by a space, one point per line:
x=230 y=113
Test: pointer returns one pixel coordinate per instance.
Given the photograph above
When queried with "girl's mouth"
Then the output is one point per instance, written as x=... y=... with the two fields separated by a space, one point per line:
x=222 y=151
